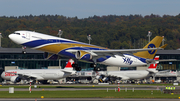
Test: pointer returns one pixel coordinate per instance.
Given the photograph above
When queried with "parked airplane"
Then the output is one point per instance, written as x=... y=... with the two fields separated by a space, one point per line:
x=131 y=74
x=167 y=73
x=41 y=75
x=56 y=46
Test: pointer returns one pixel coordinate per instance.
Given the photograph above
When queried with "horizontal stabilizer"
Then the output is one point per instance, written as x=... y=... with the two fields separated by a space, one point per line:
x=164 y=46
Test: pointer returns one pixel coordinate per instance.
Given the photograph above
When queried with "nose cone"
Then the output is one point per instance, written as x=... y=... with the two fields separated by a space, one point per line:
x=15 y=38
x=11 y=36
x=3 y=75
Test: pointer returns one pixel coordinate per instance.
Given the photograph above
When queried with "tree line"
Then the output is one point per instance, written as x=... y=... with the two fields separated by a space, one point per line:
x=111 y=31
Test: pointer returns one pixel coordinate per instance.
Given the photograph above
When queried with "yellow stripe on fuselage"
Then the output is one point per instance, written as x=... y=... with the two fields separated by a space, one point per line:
x=56 y=48
x=83 y=53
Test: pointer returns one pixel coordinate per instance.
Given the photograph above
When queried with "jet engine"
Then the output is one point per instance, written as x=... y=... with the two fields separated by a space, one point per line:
x=15 y=79
x=83 y=55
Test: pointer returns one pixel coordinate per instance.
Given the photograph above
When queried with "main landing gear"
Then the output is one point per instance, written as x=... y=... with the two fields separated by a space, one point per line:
x=77 y=68
x=95 y=67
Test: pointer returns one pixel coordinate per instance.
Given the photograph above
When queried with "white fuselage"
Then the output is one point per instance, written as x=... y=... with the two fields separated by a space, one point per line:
x=129 y=75
x=59 y=46
x=40 y=74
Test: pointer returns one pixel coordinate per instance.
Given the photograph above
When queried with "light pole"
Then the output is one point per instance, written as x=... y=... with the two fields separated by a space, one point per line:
x=163 y=40
x=149 y=35
x=60 y=33
x=89 y=38
x=0 y=39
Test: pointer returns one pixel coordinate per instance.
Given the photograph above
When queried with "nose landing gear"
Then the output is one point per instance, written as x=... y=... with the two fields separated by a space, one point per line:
x=23 y=49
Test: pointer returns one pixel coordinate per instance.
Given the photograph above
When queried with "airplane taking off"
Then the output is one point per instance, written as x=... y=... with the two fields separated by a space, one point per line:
x=39 y=74
x=56 y=46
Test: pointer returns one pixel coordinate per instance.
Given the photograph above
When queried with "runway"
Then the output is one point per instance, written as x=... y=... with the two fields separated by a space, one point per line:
x=96 y=88
x=83 y=99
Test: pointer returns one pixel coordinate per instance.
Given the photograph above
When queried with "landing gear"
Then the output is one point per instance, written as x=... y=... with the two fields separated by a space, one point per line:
x=23 y=49
x=76 y=67
x=95 y=67
x=23 y=52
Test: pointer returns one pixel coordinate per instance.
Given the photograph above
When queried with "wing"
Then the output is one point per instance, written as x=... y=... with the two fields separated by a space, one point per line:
x=69 y=71
x=111 y=52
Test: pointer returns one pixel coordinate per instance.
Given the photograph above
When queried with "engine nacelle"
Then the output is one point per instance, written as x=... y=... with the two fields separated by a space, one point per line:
x=83 y=55
x=15 y=79
x=50 y=56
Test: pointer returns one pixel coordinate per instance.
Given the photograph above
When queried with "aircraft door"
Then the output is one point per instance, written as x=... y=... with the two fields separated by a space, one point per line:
x=28 y=35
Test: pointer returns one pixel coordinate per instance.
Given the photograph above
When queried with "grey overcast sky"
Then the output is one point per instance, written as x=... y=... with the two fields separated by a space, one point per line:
x=88 y=8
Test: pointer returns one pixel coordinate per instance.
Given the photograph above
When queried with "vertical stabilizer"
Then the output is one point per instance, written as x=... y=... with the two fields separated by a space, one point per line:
x=152 y=67
x=152 y=44
x=69 y=64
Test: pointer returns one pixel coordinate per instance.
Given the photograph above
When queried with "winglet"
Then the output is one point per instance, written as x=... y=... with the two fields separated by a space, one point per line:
x=164 y=46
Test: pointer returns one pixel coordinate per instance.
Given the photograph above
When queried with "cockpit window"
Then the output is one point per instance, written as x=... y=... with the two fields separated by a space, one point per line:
x=17 y=33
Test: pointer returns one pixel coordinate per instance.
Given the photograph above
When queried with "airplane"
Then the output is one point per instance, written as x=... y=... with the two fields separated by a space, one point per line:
x=166 y=73
x=56 y=46
x=131 y=74
x=41 y=75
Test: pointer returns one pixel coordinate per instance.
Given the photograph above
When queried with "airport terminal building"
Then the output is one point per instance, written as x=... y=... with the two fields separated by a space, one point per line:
x=12 y=58
x=34 y=59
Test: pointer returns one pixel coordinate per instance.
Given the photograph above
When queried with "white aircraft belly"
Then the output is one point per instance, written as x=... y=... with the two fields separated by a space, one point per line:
x=129 y=74
x=119 y=61
x=138 y=74
x=40 y=74
x=52 y=74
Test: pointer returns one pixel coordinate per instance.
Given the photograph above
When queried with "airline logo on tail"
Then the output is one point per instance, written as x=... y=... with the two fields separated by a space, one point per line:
x=69 y=64
x=151 y=46
x=153 y=66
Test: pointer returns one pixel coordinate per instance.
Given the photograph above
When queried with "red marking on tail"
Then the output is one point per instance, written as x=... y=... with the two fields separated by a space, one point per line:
x=156 y=58
x=69 y=64
x=153 y=66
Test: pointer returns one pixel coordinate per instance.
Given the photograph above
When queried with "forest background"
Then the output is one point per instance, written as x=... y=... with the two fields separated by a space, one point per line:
x=111 y=31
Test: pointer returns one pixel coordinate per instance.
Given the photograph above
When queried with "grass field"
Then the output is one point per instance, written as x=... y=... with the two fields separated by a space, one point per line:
x=82 y=86
x=88 y=94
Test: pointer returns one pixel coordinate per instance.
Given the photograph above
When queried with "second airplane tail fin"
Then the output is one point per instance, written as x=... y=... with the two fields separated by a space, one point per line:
x=152 y=67
x=154 y=43
x=69 y=64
